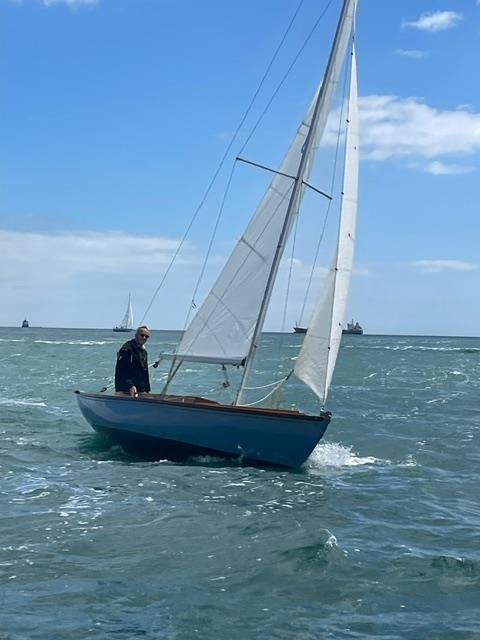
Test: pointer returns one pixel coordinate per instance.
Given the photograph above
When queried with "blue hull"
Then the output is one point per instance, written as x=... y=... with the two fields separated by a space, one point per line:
x=176 y=428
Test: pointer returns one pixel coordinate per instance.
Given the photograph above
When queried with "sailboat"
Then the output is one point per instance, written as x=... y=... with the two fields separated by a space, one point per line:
x=227 y=326
x=127 y=322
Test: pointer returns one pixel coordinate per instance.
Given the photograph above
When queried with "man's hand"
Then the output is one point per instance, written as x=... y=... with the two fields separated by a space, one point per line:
x=132 y=391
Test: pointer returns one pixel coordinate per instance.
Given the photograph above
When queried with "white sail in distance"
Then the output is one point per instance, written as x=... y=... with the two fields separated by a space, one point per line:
x=224 y=325
x=316 y=362
x=127 y=322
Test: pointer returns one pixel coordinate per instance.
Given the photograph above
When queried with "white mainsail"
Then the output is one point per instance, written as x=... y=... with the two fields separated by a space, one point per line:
x=127 y=322
x=228 y=320
x=318 y=355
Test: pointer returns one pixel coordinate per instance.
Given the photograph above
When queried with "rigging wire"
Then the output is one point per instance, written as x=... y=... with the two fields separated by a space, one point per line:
x=289 y=280
x=210 y=244
x=278 y=384
x=271 y=384
x=234 y=275
x=269 y=103
x=286 y=74
x=287 y=297
x=224 y=157
x=329 y=206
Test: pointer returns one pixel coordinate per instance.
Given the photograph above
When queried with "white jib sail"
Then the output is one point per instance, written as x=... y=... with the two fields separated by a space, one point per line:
x=318 y=354
x=223 y=327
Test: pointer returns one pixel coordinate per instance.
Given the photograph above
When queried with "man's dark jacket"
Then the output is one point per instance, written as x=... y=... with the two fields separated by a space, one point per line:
x=132 y=368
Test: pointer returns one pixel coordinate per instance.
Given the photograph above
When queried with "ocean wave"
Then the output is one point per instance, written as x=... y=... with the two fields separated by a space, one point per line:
x=325 y=550
x=23 y=403
x=72 y=342
x=461 y=572
x=411 y=347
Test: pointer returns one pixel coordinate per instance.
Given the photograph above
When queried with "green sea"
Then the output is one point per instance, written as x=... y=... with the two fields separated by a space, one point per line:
x=376 y=536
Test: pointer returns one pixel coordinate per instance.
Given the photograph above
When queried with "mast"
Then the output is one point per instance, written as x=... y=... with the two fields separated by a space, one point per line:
x=296 y=195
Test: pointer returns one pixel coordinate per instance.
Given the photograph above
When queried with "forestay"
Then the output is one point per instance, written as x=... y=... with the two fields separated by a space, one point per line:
x=318 y=355
x=224 y=325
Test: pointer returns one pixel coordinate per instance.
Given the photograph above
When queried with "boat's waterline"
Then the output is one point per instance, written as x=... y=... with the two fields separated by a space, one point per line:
x=176 y=427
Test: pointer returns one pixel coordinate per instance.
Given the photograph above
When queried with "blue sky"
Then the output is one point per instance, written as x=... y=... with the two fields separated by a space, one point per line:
x=115 y=114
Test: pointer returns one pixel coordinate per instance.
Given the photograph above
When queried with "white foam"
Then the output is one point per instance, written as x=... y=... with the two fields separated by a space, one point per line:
x=412 y=347
x=82 y=342
x=336 y=455
x=28 y=403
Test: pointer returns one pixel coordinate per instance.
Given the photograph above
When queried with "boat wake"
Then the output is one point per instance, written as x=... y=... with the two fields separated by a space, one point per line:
x=336 y=455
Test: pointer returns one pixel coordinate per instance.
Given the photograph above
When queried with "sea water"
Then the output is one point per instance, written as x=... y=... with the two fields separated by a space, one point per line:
x=376 y=536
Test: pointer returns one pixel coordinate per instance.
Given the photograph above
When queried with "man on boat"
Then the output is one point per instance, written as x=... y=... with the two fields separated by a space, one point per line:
x=131 y=370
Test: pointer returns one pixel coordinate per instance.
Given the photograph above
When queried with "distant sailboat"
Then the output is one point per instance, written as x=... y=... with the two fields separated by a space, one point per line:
x=127 y=322
x=227 y=326
x=25 y=324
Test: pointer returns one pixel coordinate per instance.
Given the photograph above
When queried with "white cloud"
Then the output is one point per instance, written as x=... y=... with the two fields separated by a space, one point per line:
x=83 y=279
x=466 y=106
x=438 y=168
x=436 y=21
x=31 y=257
x=409 y=128
x=442 y=265
x=412 y=53
x=302 y=271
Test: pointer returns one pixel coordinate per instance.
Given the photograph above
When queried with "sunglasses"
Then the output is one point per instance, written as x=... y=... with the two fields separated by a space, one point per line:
x=144 y=335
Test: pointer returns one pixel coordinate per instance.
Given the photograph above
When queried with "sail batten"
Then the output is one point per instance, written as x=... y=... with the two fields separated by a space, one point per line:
x=318 y=355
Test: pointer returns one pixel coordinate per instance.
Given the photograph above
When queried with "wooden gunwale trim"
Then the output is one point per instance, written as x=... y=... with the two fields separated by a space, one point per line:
x=197 y=401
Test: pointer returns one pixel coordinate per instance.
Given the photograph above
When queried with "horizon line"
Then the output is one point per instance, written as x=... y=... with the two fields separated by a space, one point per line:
x=372 y=335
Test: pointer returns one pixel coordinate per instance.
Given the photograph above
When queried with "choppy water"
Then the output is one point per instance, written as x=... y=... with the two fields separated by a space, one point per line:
x=376 y=537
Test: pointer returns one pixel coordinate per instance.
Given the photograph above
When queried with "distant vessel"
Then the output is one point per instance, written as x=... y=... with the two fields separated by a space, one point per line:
x=25 y=324
x=353 y=328
x=127 y=322
x=299 y=329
